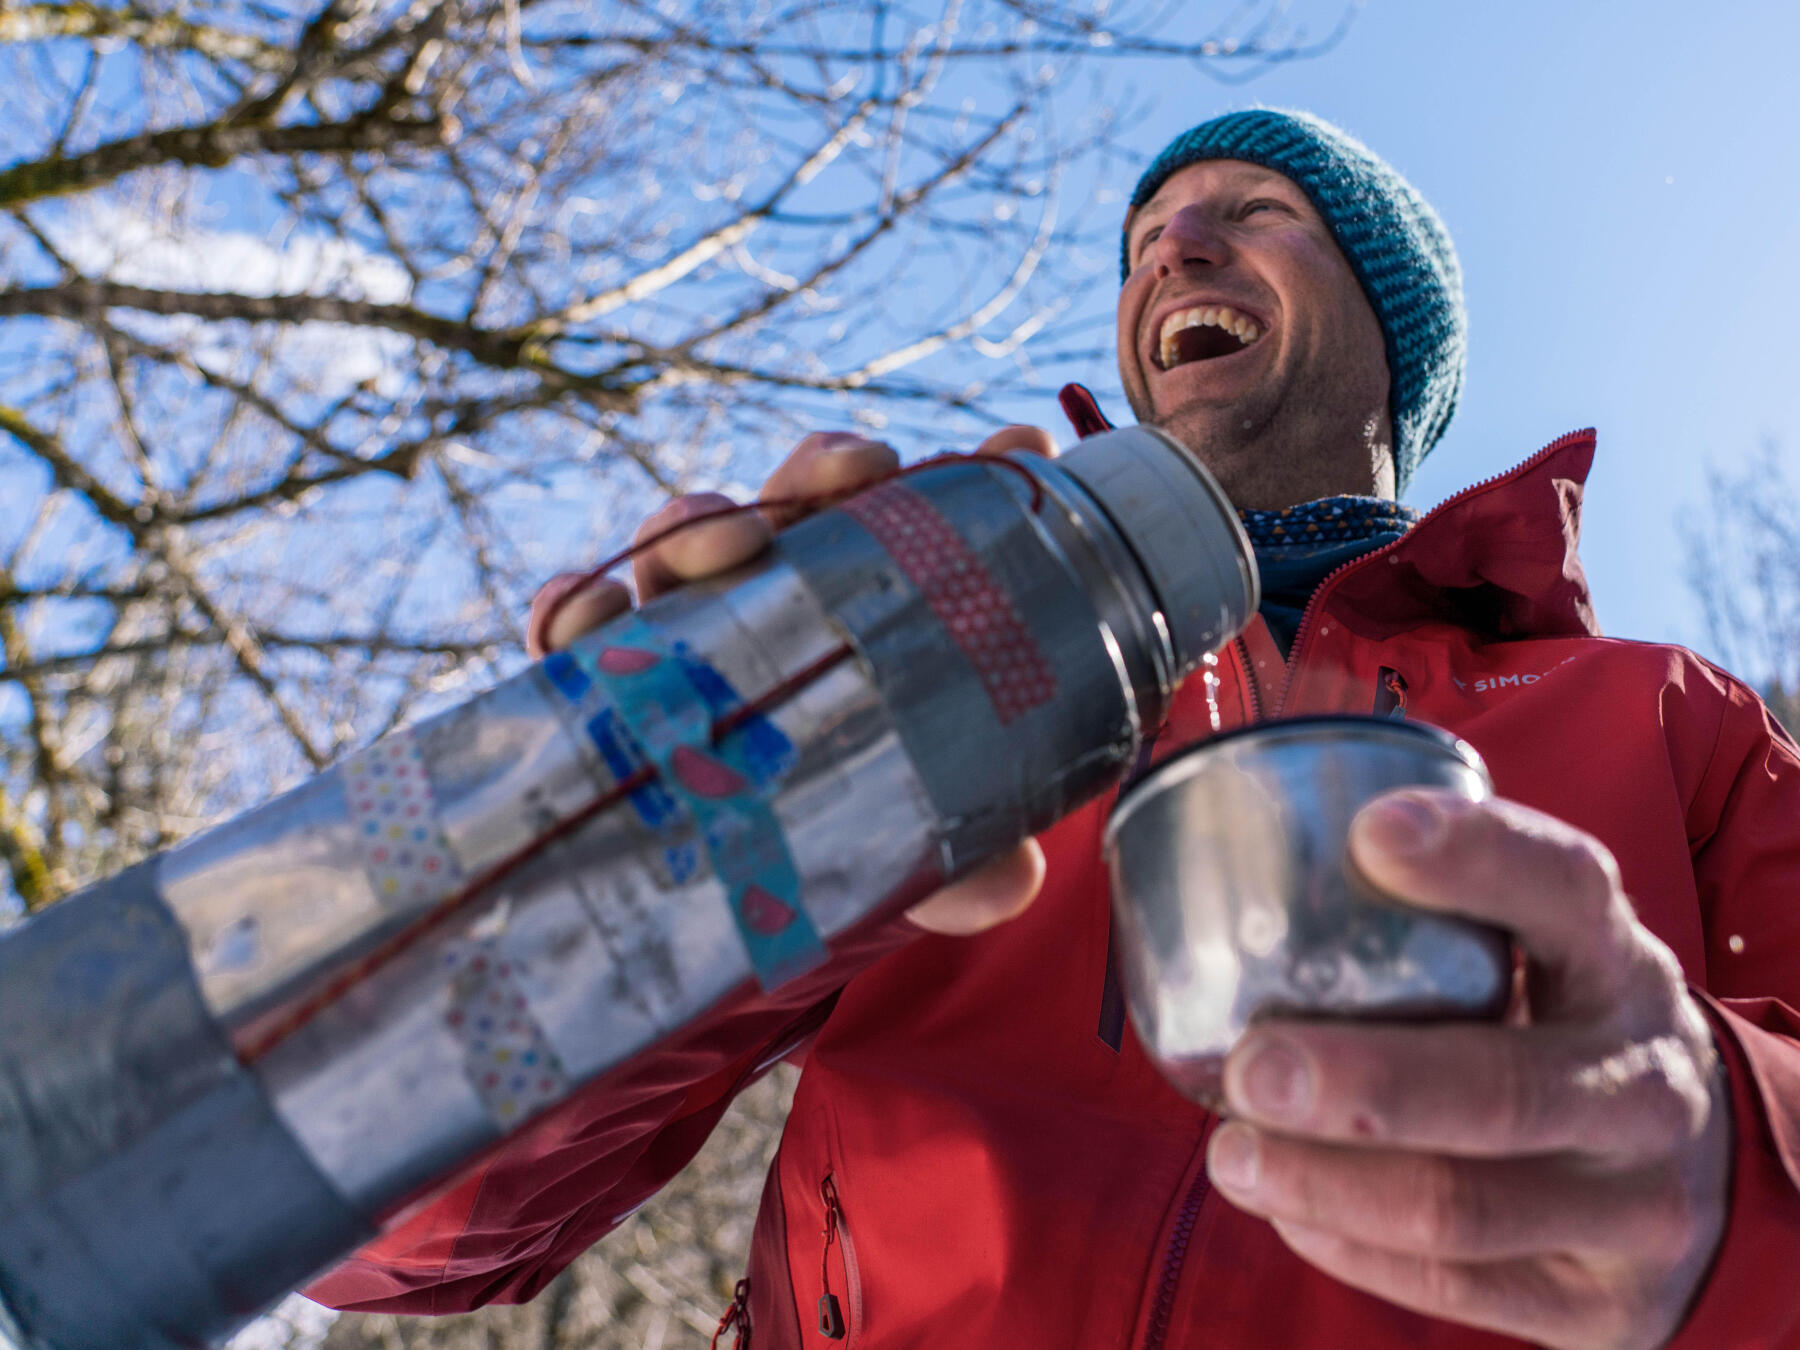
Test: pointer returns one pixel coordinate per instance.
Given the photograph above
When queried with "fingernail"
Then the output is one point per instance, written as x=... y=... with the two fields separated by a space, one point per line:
x=1236 y=1157
x=1405 y=825
x=1274 y=1080
x=551 y=597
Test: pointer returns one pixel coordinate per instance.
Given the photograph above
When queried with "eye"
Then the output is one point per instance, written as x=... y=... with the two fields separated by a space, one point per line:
x=1148 y=238
x=1262 y=204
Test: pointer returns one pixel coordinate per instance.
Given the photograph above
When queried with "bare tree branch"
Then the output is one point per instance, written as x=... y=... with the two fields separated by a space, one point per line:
x=35 y=23
x=206 y=147
x=335 y=326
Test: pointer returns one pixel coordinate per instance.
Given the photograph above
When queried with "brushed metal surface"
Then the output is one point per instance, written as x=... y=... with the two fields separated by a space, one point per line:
x=1234 y=898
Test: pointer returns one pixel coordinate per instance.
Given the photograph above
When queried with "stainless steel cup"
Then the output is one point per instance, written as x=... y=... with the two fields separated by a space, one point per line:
x=1235 y=897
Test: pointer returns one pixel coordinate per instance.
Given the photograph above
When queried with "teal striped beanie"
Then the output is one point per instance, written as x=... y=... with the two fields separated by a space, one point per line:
x=1395 y=243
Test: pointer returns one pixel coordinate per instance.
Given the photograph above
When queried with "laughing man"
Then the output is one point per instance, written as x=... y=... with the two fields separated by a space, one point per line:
x=975 y=1158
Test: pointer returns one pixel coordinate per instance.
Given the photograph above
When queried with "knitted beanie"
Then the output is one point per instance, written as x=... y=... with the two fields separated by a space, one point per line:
x=1396 y=245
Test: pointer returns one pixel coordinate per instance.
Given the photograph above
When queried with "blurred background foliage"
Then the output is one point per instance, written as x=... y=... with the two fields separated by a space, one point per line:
x=328 y=333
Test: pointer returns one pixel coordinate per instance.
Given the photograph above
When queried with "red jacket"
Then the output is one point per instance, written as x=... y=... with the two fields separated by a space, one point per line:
x=1003 y=1176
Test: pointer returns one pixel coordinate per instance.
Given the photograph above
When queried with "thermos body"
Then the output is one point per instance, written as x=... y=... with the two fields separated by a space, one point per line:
x=228 y=1066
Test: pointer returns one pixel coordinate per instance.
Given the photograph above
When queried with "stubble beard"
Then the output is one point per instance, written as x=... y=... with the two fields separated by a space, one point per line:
x=1239 y=443
x=1267 y=455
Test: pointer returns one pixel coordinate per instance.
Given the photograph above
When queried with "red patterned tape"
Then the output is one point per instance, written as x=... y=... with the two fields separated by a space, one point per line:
x=974 y=608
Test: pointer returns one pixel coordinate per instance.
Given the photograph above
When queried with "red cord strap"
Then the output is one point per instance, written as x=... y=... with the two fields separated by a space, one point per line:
x=810 y=501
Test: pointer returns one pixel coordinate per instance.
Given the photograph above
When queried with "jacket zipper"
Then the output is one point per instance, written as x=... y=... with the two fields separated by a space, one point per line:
x=1176 y=1255
x=831 y=1313
x=1312 y=606
x=792 y=1038
x=1166 y=1288
x=1249 y=679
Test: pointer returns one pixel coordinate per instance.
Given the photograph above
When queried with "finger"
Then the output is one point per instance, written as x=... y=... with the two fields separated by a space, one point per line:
x=570 y=604
x=998 y=890
x=1473 y=1091
x=1033 y=440
x=1543 y=1302
x=699 y=550
x=1554 y=886
x=826 y=465
x=1425 y=1204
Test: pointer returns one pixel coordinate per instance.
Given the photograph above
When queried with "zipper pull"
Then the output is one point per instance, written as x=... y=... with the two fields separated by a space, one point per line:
x=831 y=1313
x=737 y=1317
x=1390 y=693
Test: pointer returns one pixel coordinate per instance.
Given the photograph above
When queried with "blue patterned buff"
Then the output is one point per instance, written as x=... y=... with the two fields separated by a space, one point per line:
x=1297 y=547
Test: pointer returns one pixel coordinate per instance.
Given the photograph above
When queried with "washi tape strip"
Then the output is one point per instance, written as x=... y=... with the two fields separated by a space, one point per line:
x=765 y=752
x=393 y=812
x=974 y=608
x=674 y=861
x=668 y=700
x=508 y=1058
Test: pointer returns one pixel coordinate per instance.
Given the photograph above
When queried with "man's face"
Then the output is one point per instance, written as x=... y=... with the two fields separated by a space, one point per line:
x=1245 y=335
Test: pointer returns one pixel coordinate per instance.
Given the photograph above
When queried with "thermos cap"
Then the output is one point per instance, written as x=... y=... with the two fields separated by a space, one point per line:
x=1181 y=526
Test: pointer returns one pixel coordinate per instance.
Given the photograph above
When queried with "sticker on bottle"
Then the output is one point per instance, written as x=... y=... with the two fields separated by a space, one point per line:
x=393 y=813
x=667 y=700
x=507 y=1056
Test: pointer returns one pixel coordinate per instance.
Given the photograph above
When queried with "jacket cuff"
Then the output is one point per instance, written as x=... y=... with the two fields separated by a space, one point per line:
x=1747 y=1300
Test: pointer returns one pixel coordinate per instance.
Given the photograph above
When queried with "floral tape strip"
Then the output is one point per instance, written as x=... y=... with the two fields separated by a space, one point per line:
x=508 y=1059
x=394 y=815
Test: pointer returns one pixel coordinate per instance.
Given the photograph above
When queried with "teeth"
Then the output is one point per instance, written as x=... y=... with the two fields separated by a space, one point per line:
x=1240 y=326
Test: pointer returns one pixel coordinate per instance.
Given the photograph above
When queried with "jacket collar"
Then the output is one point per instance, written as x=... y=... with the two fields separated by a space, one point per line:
x=1498 y=558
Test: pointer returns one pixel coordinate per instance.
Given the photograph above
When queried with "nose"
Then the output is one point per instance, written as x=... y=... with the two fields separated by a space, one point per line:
x=1189 y=237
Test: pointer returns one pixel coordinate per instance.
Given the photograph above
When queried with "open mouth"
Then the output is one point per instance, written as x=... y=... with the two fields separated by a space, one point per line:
x=1204 y=333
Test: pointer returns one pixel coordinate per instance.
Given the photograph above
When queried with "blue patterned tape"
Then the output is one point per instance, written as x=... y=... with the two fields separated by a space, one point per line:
x=664 y=700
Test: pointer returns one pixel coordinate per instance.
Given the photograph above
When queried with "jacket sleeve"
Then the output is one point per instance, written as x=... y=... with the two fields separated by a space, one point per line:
x=1745 y=831
x=510 y=1223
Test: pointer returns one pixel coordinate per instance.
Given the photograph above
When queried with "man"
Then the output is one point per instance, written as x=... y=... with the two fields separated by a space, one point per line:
x=976 y=1156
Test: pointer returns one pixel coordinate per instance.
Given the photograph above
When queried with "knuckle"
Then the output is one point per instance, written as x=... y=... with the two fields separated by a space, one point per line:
x=1567 y=861
x=1681 y=1096
x=828 y=445
x=1582 y=871
x=831 y=461
x=1448 y=1213
x=693 y=506
x=1019 y=436
x=1658 y=970
x=1449 y=1289
x=1520 y=1094
x=820 y=442
x=665 y=515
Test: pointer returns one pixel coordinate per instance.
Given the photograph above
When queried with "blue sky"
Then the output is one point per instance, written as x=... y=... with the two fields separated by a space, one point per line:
x=1621 y=183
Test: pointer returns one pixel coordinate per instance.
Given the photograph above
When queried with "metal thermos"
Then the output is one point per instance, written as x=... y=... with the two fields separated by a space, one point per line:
x=227 y=1067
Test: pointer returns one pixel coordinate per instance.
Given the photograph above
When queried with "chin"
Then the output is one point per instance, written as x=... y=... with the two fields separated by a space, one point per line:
x=1211 y=431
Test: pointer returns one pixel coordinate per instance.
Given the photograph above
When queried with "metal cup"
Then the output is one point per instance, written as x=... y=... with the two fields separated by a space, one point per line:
x=1235 y=898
